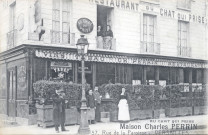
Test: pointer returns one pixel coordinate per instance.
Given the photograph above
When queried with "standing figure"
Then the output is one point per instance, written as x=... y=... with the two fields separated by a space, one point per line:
x=91 y=106
x=123 y=112
x=108 y=36
x=99 y=37
x=59 y=110
x=97 y=103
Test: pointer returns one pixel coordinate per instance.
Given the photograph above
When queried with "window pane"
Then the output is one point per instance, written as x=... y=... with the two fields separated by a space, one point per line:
x=56 y=14
x=145 y=29
x=66 y=5
x=56 y=26
x=56 y=4
x=65 y=16
x=65 y=27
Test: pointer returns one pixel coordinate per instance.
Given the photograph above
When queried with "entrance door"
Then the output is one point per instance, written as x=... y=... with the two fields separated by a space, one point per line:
x=12 y=83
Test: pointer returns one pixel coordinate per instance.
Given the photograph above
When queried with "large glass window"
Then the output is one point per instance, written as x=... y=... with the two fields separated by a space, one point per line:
x=61 y=71
x=183 y=33
x=137 y=75
x=12 y=34
x=105 y=73
x=61 y=21
x=149 y=44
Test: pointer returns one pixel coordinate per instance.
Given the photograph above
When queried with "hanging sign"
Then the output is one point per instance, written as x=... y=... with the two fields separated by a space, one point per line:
x=85 y=25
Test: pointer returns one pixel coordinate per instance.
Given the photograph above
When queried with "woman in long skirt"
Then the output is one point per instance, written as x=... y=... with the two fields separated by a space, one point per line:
x=123 y=107
x=91 y=106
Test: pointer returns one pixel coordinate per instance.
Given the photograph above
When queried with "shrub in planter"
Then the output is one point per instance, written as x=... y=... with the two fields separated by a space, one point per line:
x=140 y=97
x=173 y=92
x=44 y=90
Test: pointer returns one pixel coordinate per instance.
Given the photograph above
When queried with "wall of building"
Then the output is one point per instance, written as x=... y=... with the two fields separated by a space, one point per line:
x=21 y=21
x=127 y=25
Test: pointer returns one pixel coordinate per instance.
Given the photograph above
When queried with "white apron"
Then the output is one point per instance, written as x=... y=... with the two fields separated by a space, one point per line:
x=123 y=110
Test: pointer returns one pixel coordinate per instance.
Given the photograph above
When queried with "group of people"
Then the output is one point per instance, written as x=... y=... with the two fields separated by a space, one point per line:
x=93 y=104
x=104 y=38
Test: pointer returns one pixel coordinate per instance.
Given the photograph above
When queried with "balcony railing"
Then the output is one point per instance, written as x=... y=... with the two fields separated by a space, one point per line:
x=150 y=47
x=184 y=51
x=62 y=37
x=12 y=39
x=106 y=43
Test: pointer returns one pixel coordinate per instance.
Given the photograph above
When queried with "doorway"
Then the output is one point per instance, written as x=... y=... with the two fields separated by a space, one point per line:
x=104 y=16
x=12 y=92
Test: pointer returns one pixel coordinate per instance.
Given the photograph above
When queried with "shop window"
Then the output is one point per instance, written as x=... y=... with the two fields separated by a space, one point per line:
x=194 y=75
x=105 y=73
x=88 y=73
x=137 y=75
x=186 y=76
x=149 y=45
x=184 y=4
x=105 y=34
x=61 y=21
x=164 y=76
x=173 y=75
x=150 y=76
x=61 y=71
x=183 y=36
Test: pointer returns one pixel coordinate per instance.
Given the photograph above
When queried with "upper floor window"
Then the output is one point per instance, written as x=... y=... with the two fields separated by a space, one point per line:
x=12 y=34
x=61 y=21
x=183 y=34
x=149 y=45
x=184 y=4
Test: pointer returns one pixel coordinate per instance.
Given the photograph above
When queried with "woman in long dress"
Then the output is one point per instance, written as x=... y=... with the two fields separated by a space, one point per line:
x=123 y=107
x=91 y=106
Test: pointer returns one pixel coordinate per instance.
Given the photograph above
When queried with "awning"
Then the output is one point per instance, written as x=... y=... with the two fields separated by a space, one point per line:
x=111 y=58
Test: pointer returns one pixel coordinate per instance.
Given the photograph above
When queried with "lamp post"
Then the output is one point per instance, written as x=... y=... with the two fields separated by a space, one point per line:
x=82 y=47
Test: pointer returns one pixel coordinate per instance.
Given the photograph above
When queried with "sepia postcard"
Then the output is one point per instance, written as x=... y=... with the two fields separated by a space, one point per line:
x=104 y=67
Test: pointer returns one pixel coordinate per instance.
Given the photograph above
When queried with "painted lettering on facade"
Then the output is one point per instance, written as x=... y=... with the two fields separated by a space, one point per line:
x=128 y=5
x=183 y=16
x=133 y=6
x=119 y=59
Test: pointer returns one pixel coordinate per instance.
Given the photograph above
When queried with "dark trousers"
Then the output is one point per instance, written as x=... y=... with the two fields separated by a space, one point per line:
x=97 y=113
x=62 y=127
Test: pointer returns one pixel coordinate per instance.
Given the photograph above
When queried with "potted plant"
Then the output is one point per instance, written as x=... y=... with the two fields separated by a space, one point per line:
x=200 y=99
x=44 y=90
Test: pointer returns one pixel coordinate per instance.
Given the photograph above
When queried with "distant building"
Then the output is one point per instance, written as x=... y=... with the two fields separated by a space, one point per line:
x=153 y=42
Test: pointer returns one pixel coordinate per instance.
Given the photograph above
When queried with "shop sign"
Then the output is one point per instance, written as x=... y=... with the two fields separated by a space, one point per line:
x=134 y=6
x=59 y=66
x=85 y=25
x=119 y=59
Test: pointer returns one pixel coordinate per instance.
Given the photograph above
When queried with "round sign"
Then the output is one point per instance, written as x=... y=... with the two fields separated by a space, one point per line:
x=84 y=25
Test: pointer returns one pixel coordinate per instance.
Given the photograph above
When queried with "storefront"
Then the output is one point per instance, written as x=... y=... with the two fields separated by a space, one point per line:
x=25 y=64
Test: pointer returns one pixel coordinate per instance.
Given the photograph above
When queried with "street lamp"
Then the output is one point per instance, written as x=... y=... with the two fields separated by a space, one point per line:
x=82 y=48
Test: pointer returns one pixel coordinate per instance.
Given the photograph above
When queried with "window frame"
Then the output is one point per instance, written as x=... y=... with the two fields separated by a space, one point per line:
x=61 y=21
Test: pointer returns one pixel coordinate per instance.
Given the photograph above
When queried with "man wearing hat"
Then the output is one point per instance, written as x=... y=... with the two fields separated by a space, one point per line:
x=59 y=110
x=97 y=103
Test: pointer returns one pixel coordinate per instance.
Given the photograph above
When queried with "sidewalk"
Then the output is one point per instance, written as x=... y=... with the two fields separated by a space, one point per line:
x=112 y=128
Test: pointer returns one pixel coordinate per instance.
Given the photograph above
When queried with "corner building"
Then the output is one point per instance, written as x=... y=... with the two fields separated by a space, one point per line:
x=155 y=42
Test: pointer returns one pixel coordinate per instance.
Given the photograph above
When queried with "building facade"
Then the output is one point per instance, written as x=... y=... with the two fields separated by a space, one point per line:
x=154 y=42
